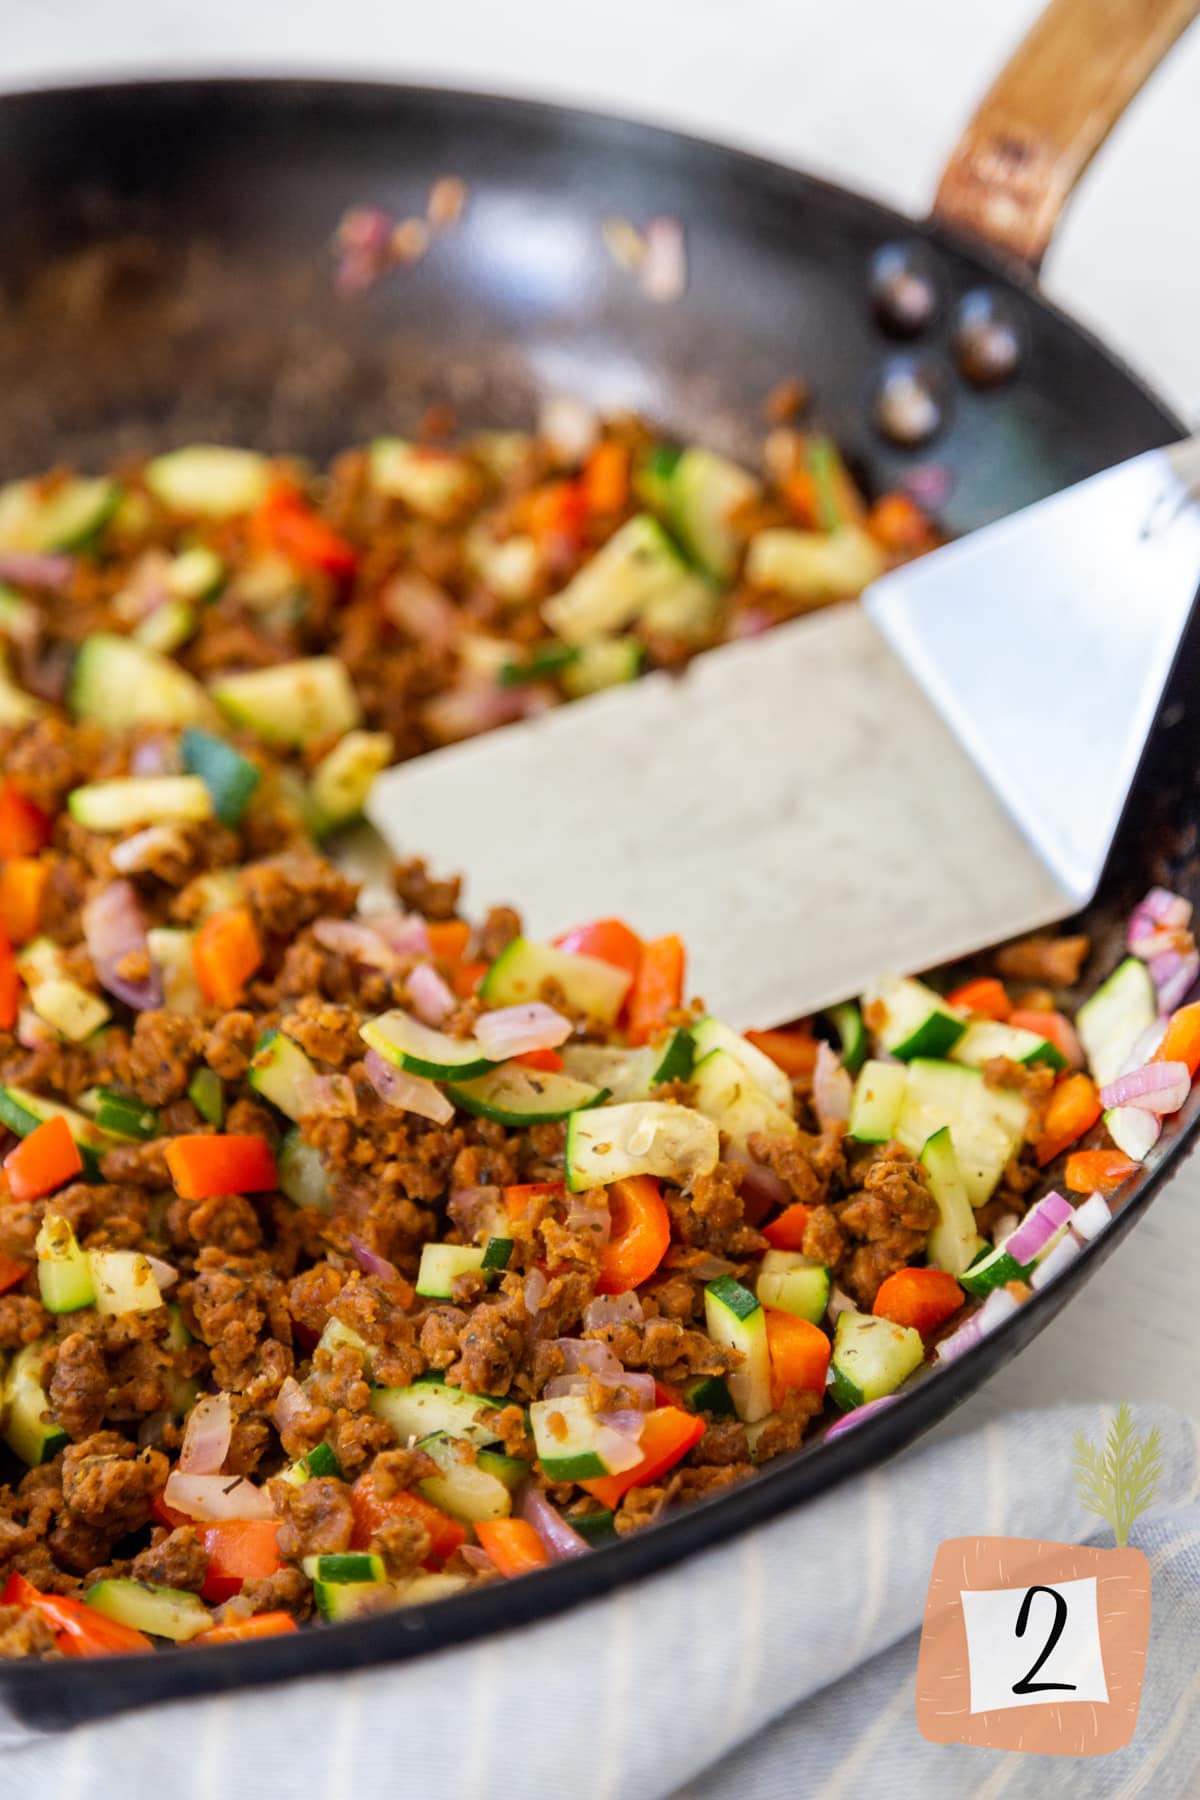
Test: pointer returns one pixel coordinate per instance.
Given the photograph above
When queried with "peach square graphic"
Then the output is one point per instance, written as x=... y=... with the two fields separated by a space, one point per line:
x=1034 y=1646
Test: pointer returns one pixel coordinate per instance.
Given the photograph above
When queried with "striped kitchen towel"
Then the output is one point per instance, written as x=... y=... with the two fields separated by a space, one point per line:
x=779 y=1665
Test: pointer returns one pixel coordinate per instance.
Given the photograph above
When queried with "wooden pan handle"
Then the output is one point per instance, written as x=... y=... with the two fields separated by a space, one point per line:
x=1047 y=114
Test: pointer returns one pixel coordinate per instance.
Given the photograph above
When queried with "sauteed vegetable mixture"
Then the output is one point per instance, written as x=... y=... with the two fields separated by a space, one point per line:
x=352 y=1252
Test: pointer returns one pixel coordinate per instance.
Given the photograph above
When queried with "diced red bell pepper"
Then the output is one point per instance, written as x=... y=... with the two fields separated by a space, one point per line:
x=79 y=1630
x=287 y=523
x=24 y=827
x=47 y=1159
x=240 y=1631
x=513 y=1545
x=370 y=1512
x=640 y=1236
x=221 y=1163
x=657 y=988
x=238 y=1550
x=667 y=1436
x=787 y=1231
x=609 y=940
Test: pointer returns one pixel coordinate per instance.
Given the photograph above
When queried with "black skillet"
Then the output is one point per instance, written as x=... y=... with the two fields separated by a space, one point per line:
x=165 y=277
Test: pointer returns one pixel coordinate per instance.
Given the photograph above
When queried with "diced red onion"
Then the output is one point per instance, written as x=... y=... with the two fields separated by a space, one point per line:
x=663 y=274
x=405 y=933
x=998 y=1306
x=1174 y=975
x=33 y=1033
x=152 y=1430
x=476 y=1210
x=347 y=937
x=607 y=1310
x=1145 y=1047
x=839 y=1302
x=29 y=568
x=534 y=1290
x=432 y=1000
x=408 y=1093
x=832 y=1088
x=424 y=611
x=764 y=1185
x=513 y=1030
x=1003 y=1228
x=1157 y=1087
x=559 y=1538
x=849 y=1420
x=616 y=1451
x=155 y=755
x=642 y=1386
x=1160 y=908
x=568 y=426
x=475 y=706
x=206 y=1436
x=594 y=1222
x=560 y=1387
x=750 y=622
x=591 y=1356
x=332 y=1096
x=114 y=928
x=477 y=1559
x=1091 y=1218
x=144 y=848
x=215 y=1497
x=291 y=1405
x=164 y=1274
x=711 y=1267
x=1038 y=1226
x=930 y=484
x=626 y=1421
x=1064 y=1252
x=1133 y=1131
x=968 y=1334
x=371 y=1263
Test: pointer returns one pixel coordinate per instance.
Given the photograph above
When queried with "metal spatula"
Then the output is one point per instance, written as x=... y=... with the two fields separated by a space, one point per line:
x=877 y=787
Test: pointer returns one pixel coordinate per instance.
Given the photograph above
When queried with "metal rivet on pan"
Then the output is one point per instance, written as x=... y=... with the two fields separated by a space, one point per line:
x=988 y=344
x=903 y=291
x=910 y=403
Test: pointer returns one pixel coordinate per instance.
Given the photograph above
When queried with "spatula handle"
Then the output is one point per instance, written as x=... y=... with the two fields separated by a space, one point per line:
x=1048 y=112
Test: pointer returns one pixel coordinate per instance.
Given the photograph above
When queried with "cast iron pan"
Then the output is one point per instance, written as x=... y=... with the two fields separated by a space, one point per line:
x=165 y=277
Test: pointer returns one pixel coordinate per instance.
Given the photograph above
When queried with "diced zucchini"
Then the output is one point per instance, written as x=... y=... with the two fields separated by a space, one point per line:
x=19 y=619
x=35 y=516
x=1133 y=1130
x=497 y=1253
x=423 y=1590
x=795 y=1284
x=871 y=1357
x=609 y=662
x=163 y=1612
x=71 y=1010
x=813 y=566
x=428 y=1406
x=709 y=1034
x=636 y=570
x=209 y=480
x=628 y=1073
x=64 y=1272
x=320 y=1460
x=23 y=1112
x=953 y=1239
x=195 y=574
x=596 y=1527
x=441 y=1263
x=15 y=704
x=986 y=1124
x=736 y=1321
x=345 y=1565
x=435 y=483
x=167 y=627
x=206 y=1091
x=213 y=892
x=996 y=1268
x=403 y=1040
x=521 y=971
x=704 y=492
x=541 y=661
x=916 y=1021
x=119 y=684
x=709 y=1394
x=302 y=1175
x=337 y=1336
x=230 y=777
x=878 y=1098
x=642 y=1137
x=513 y=1471
x=461 y=1487
x=852 y=1034
x=729 y=1096
x=342 y=779
x=986 y=1038
x=124 y=1282
x=120 y=1113
x=281 y=1072
x=1112 y=1021
x=171 y=953
x=29 y=1429
x=514 y=1095
x=292 y=703
x=572 y=1443
x=340 y=1601
x=140 y=800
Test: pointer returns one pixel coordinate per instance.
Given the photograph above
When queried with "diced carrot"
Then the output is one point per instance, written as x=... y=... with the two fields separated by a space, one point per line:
x=448 y=939
x=285 y=522
x=1073 y=1108
x=548 y=1060
x=22 y=887
x=513 y=1545
x=667 y=1436
x=787 y=1231
x=799 y=1353
x=226 y=951
x=47 y=1159
x=609 y=940
x=24 y=827
x=370 y=1512
x=793 y=1049
x=897 y=522
x=922 y=1298
x=10 y=985
x=1182 y=1042
x=606 y=477
x=657 y=988
x=1098 y=1171
x=516 y=1199
x=238 y=1550
x=79 y=1630
x=985 y=997
x=1055 y=1028
x=220 y=1163
x=11 y=1271
x=240 y=1631
x=467 y=977
x=640 y=1235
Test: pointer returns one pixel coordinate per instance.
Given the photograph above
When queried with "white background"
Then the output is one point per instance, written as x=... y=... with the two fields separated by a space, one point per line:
x=872 y=93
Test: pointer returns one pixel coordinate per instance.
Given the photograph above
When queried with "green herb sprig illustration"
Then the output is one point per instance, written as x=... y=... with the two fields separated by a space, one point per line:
x=1120 y=1481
